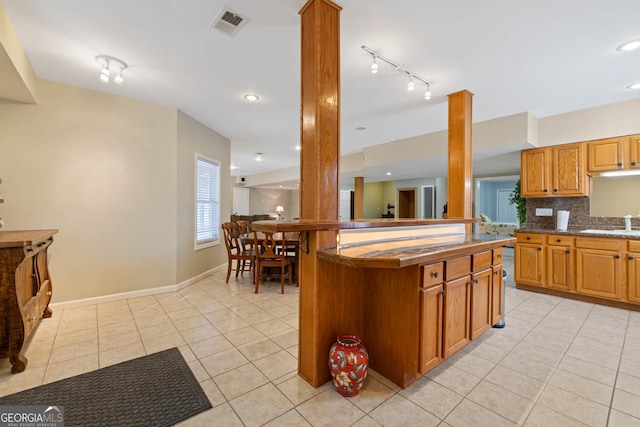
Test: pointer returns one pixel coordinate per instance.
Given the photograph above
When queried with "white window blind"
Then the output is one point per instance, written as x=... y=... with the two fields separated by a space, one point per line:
x=207 y=201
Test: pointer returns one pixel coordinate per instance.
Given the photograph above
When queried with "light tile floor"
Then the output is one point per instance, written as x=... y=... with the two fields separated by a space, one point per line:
x=557 y=363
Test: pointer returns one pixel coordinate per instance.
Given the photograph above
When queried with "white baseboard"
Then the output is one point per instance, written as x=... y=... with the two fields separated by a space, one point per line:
x=133 y=294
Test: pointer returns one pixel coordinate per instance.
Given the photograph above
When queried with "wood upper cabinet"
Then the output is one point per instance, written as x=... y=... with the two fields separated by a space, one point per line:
x=456 y=312
x=480 y=303
x=432 y=305
x=612 y=154
x=554 y=171
x=535 y=179
x=599 y=271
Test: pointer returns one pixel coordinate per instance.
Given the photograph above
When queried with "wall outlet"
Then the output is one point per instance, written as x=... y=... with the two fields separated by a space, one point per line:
x=544 y=212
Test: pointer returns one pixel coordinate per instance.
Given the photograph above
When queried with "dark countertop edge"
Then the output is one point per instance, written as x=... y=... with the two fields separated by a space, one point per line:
x=429 y=255
x=311 y=225
x=21 y=238
x=577 y=233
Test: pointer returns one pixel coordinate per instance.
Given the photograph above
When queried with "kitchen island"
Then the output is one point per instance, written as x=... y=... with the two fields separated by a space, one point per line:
x=415 y=293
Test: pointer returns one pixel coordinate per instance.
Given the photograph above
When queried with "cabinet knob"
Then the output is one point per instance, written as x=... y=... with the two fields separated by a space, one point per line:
x=619 y=165
x=442 y=293
x=539 y=249
x=434 y=274
x=528 y=237
x=555 y=190
x=630 y=258
x=545 y=190
x=558 y=240
x=633 y=163
x=567 y=251
x=616 y=256
x=471 y=283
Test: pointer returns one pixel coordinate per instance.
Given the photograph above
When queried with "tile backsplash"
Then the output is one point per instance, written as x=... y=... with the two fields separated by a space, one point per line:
x=579 y=217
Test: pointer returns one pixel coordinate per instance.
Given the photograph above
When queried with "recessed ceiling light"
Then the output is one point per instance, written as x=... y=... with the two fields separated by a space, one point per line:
x=635 y=85
x=232 y=167
x=298 y=147
x=361 y=128
x=258 y=157
x=388 y=173
x=251 y=97
x=626 y=47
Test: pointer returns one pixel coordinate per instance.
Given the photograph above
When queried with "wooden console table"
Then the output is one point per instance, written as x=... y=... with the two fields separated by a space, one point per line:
x=25 y=289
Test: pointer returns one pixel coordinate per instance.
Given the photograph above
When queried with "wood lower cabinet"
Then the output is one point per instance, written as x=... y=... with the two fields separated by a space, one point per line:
x=456 y=315
x=559 y=265
x=432 y=306
x=633 y=271
x=599 y=271
x=497 y=295
x=25 y=290
x=529 y=259
x=480 y=317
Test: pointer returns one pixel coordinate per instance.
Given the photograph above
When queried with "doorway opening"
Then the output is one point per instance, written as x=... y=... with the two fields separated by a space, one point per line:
x=407 y=206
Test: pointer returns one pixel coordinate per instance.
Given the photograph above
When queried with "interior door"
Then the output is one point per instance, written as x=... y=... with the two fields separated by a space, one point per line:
x=428 y=201
x=505 y=211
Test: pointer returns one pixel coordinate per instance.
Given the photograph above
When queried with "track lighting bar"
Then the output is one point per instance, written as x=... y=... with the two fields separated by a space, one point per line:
x=398 y=67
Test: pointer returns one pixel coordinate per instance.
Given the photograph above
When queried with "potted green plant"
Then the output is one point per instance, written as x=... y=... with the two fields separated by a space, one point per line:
x=521 y=204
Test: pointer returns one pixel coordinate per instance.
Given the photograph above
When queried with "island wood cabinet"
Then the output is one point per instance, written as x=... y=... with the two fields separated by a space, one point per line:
x=25 y=290
x=613 y=154
x=460 y=300
x=594 y=269
x=554 y=171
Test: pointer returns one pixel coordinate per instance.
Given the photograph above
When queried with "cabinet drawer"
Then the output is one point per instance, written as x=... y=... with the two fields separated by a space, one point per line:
x=497 y=256
x=481 y=261
x=432 y=274
x=457 y=268
x=529 y=237
x=559 y=240
x=634 y=245
x=601 y=244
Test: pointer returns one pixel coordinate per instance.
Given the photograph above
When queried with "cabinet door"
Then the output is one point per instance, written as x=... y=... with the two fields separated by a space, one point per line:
x=431 y=300
x=456 y=315
x=480 y=301
x=559 y=267
x=633 y=271
x=605 y=155
x=634 y=152
x=599 y=273
x=496 y=294
x=534 y=173
x=528 y=263
x=569 y=175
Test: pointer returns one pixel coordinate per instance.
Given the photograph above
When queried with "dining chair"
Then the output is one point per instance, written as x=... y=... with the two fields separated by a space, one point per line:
x=245 y=257
x=246 y=238
x=270 y=253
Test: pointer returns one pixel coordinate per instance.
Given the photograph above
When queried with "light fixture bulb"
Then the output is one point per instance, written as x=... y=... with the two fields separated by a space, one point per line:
x=411 y=85
x=251 y=97
x=119 y=79
x=626 y=47
x=374 y=66
x=104 y=74
x=258 y=157
x=427 y=94
x=634 y=86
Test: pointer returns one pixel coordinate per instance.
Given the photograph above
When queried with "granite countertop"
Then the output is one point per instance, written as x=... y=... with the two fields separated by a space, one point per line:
x=617 y=234
x=405 y=252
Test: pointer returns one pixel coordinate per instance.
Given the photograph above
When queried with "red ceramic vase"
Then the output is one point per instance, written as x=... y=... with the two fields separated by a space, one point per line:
x=348 y=363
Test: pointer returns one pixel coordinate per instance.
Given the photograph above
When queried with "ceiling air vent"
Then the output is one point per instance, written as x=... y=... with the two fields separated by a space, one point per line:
x=229 y=21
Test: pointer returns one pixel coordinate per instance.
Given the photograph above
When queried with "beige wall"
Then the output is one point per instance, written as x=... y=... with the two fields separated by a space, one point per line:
x=374 y=203
x=104 y=171
x=194 y=137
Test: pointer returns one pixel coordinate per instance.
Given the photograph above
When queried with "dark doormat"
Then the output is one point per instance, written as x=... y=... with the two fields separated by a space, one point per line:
x=154 y=390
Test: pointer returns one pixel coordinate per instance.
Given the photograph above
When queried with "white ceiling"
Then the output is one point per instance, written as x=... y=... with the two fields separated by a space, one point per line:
x=545 y=57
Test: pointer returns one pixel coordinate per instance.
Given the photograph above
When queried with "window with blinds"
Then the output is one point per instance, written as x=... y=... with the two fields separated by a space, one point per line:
x=207 y=201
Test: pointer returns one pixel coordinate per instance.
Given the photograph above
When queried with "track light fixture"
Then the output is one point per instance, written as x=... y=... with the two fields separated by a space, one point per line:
x=398 y=67
x=108 y=62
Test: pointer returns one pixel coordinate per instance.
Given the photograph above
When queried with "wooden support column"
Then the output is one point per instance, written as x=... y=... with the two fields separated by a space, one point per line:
x=358 y=198
x=460 y=158
x=319 y=186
